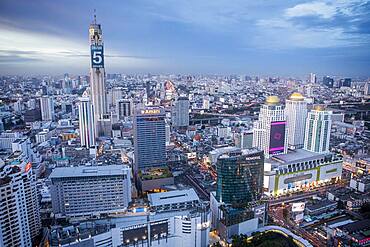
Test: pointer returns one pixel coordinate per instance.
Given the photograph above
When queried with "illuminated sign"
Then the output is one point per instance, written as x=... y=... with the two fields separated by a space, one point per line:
x=277 y=137
x=97 y=56
x=28 y=167
x=253 y=158
x=150 y=111
x=298 y=207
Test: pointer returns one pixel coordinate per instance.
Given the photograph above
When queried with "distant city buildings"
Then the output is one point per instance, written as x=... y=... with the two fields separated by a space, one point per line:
x=328 y=81
x=312 y=78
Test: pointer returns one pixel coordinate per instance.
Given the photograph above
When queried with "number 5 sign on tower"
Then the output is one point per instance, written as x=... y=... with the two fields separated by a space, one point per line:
x=97 y=56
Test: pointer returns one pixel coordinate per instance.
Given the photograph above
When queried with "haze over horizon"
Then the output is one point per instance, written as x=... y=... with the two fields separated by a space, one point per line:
x=245 y=37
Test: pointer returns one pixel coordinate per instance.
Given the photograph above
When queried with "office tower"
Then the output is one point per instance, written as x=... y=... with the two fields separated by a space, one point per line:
x=89 y=190
x=240 y=177
x=328 y=81
x=345 y=82
x=19 y=209
x=150 y=91
x=86 y=122
x=244 y=139
x=180 y=112
x=124 y=108
x=312 y=78
x=97 y=79
x=149 y=138
x=318 y=127
x=116 y=95
x=296 y=114
x=269 y=132
x=47 y=108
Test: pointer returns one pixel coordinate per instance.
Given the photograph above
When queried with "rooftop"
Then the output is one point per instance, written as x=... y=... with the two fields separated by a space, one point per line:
x=89 y=171
x=299 y=155
x=171 y=197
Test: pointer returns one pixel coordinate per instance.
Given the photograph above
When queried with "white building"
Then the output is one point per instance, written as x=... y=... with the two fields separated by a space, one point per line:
x=97 y=81
x=244 y=139
x=176 y=227
x=299 y=170
x=180 y=112
x=296 y=114
x=318 y=127
x=269 y=131
x=313 y=78
x=86 y=122
x=19 y=210
x=7 y=138
x=173 y=200
x=47 y=108
x=85 y=191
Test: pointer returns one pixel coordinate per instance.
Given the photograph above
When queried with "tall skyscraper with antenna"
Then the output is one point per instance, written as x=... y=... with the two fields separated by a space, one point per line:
x=97 y=80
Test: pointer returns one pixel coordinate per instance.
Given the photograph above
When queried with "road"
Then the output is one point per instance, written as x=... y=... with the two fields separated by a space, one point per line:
x=277 y=216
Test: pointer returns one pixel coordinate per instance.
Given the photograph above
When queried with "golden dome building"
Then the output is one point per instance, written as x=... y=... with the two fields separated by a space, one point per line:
x=296 y=114
x=269 y=131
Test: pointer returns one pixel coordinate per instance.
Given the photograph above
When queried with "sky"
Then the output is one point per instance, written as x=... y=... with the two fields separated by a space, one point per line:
x=264 y=37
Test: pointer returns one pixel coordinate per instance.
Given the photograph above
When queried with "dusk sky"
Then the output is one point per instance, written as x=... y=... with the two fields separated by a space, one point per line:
x=266 y=37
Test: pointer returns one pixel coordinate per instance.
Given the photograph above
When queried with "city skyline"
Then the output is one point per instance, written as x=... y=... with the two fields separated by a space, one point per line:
x=327 y=37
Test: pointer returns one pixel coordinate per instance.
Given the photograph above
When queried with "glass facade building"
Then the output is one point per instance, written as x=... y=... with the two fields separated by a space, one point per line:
x=150 y=138
x=240 y=177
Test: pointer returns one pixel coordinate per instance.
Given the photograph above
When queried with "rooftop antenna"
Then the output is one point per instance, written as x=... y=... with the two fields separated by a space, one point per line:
x=94 y=16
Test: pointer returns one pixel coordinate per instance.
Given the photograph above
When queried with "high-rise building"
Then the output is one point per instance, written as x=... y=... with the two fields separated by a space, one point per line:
x=19 y=209
x=367 y=88
x=124 y=108
x=318 y=127
x=312 y=78
x=269 y=132
x=150 y=138
x=328 y=81
x=244 y=139
x=240 y=177
x=86 y=122
x=47 y=108
x=296 y=114
x=87 y=190
x=180 y=112
x=345 y=82
x=97 y=79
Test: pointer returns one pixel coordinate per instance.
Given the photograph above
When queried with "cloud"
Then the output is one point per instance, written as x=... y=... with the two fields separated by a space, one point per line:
x=317 y=24
x=320 y=9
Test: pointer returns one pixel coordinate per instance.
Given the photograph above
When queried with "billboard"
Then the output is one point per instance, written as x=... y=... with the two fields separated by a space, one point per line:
x=298 y=207
x=97 y=56
x=277 y=137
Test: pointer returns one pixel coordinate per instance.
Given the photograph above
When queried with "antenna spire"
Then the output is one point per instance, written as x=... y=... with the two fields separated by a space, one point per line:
x=94 y=16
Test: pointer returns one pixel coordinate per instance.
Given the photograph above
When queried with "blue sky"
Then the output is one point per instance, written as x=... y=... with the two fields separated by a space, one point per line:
x=265 y=37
